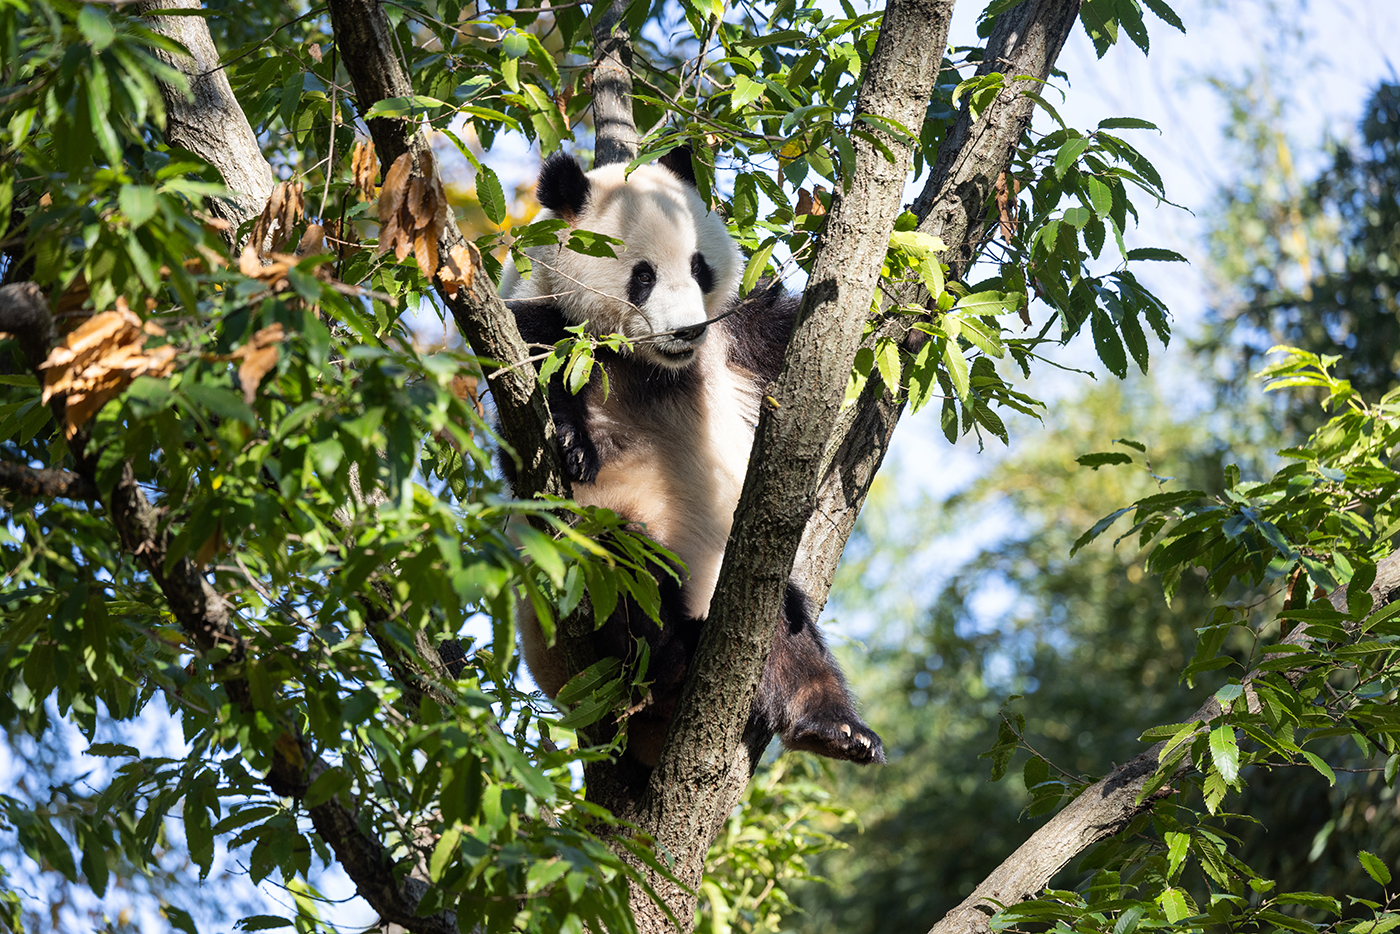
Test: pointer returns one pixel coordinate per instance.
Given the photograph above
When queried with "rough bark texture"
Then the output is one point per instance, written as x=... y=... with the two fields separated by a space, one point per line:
x=613 y=126
x=1107 y=807
x=209 y=122
x=1025 y=41
x=705 y=763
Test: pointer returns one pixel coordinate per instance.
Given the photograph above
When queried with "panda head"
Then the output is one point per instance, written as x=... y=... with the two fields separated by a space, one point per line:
x=678 y=267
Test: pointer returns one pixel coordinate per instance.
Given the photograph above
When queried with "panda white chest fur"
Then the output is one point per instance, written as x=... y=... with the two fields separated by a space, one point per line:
x=679 y=464
x=667 y=446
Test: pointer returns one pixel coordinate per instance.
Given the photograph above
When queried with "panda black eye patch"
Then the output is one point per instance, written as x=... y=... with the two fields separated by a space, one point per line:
x=642 y=282
x=702 y=273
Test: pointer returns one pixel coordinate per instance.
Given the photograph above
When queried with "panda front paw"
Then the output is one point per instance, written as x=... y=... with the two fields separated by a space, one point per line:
x=837 y=734
x=581 y=461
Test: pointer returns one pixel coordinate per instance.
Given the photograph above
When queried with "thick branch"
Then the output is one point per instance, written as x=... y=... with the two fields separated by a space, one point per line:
x=209 y=122
x=1105 y=808
x=46 y=483
x=702 y=767
x=614 y=130
x=1025 y=41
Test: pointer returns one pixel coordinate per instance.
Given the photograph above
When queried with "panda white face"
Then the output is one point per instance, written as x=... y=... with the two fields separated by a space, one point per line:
x=679 y=267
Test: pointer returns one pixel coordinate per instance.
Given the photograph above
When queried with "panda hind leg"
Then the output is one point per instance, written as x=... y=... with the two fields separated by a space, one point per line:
x=803 y=695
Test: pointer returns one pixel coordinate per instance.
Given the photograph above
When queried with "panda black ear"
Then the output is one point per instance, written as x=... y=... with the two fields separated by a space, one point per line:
x=563 y=188
x=678 y=161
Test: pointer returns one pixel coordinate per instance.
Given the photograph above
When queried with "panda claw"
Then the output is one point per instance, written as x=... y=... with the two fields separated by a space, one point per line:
x=837 y=738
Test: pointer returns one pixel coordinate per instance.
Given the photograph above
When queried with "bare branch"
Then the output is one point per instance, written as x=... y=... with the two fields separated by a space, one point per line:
x=46 y=483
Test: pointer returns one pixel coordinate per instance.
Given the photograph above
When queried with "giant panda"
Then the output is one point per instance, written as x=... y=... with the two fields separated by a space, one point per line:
x=667 y=446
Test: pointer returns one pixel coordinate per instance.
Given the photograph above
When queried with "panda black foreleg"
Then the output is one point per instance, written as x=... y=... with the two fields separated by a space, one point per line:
x=803 y=695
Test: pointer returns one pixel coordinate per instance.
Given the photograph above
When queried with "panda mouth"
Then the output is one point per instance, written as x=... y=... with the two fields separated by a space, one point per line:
x=678 y=356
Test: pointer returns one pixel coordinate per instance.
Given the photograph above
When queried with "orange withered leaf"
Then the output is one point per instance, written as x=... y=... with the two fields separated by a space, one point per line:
x=99 y=359
x=412 y=212
x=364 y=167
x=259 y=356
x=459 y=268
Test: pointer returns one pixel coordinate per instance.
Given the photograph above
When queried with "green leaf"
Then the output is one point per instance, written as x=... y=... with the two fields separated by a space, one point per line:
x=1375 y=867
x=96 y=27
x=1104 y=459
x=443 y=852
x=1069 y=154
x=1158 y=254
x=1177 y=846
x=1108 y=344
x=1166 y=13
x=746 y=91
x=490 y=196
x=956 y=365
x=1173 y=902
x=1323 y=768
x=262 y=923
x=407 y=106
x=758 y=263
x=138 y=203
x=1225 y=752
x=888 y=363
x=515 y=45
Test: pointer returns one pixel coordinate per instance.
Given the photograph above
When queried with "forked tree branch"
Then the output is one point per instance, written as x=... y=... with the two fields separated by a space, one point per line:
x=1025 y=41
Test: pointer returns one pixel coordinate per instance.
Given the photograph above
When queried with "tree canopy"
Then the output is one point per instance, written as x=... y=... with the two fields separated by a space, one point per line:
x=251 y=485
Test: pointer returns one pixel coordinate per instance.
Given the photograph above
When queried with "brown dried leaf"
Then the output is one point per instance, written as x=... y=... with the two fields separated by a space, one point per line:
x=1007 y=188
x=256 y=364
x=314 y=50
x=425 y=251
x=99 y=359
x=285 y=206
x=312 y=242
x=391 y=195
x=414 y=206
x=465 y=387
x=459 y=268
x=364 y=168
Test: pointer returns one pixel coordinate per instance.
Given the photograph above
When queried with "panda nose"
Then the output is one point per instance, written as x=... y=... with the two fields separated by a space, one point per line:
x=690 y=334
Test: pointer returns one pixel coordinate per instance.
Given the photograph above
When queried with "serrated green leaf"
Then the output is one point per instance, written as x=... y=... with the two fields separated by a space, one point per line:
x=1322 y=767
x=1225 y=752
x=490 y=195
x=1375 y=867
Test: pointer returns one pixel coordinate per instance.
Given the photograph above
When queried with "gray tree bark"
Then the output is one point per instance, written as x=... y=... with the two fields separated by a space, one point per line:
x=210 y=123
x=704 y=764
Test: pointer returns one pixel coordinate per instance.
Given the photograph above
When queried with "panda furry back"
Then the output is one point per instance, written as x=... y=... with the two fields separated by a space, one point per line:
x=668 y=447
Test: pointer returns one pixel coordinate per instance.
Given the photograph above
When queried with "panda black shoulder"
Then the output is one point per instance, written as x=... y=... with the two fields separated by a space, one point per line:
x=759 y=330
x=540 y=321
